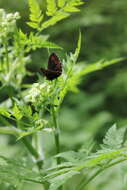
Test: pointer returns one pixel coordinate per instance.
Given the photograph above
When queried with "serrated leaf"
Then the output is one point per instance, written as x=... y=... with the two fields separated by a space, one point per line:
x=51 y=7
x=114 y=138
x=52 y=45
x=71 y=156
x=36 y=15
x=58 y=16
x=77 y=51
x=56 y=182
x=99 y=65
x=14 y=171
x=35 y=10
x=22 y=35
x=35 y=42
x=71 y=9
x=35 y=116
x=4 y=112
x=33 y=24
x=40 y=18
x=74 y=2
x=71 y=5
x=101 y=157
x=26 y=110
x=17 y=112
x=61 y=3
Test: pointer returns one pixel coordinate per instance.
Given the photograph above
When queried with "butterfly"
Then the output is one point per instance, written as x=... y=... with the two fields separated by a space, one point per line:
x=54 y=69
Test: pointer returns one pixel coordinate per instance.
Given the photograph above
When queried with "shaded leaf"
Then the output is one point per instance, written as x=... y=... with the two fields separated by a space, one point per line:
x=114 y=138
x=61 y=179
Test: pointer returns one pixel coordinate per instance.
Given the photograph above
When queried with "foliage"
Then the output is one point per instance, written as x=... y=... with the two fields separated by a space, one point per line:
x=56 y=14
x=74 y=164
x=30 y=110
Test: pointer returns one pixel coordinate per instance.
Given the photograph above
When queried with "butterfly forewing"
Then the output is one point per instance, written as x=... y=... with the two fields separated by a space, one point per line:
x=54 y=68
x=54 y=63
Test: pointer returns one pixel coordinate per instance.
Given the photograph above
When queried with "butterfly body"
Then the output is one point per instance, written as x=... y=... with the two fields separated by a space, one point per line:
x=54 y=69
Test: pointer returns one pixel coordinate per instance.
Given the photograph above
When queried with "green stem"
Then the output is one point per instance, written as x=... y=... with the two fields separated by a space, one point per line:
x=33 y=152
x=30 y=148
x=10 y=130
x=6 y=54
x=56 y=134
x=36 y=143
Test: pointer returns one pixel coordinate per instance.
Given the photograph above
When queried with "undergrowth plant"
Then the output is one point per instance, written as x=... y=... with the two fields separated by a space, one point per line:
x=30 y=109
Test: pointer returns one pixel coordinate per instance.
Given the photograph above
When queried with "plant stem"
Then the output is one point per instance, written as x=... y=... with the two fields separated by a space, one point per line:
x=36 y=142
x=57 y=141
x=56 y=134
x=33 y=152
x=30 y=148
x=6 y=54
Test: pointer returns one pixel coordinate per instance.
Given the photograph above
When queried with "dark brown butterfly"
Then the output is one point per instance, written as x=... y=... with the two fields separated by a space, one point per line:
x=54 y=69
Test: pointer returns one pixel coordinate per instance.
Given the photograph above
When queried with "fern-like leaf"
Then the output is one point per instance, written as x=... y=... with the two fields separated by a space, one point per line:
x=35 y=14
x=20 y=171
x=40 y=41
x=71 y=5
x=61 y=3
x=114 y=138
x=51 y=7
x=53 y=20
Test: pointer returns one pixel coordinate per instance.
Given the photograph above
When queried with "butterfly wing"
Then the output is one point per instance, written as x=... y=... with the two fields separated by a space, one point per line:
x=50 y=75
x=54 y=69
x=54 y=63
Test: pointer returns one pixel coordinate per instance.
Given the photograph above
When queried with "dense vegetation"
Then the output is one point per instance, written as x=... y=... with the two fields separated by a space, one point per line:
x=68 y=133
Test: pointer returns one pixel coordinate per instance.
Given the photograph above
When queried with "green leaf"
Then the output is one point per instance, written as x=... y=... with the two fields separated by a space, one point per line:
x=4 y=112
x=17 y=112
x=71 y=9
x=51 y=7
x=74 y=73
x=100 y=65
x=22 y=35
x=40 y=41
x=97 y=159
x=77 y=51
x=75 y=2
x=33 y=24
x=26 y=111
x=51 y=45
x=71 y=156
x=71 y=5
x=61 y=3
x=15 y=171
x=56 y=182
x=114 y=138
x=36 y=16
x=58 y=16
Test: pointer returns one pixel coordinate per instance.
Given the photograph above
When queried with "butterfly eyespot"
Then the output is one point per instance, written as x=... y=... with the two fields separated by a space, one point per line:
x=54 y=69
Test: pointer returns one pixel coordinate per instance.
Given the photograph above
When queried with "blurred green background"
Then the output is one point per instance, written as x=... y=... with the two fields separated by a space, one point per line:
x=101 y=101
